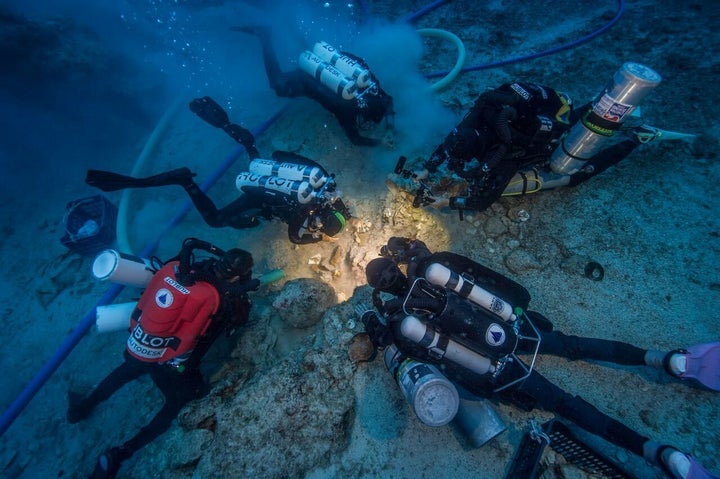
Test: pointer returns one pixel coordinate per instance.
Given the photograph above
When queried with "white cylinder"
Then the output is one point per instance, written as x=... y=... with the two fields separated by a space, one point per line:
x=122 y=268
x=291 y=171
x=439 y=275
x=631 y=83
x=415 y=330
x=348 y=66
x=301 y=191
x=328 y=75
x=433 y=397
x=113 y=317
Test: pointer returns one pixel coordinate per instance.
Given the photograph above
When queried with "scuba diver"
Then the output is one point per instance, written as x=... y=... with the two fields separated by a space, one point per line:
x=523 y=137
x=289 y=186
x=471 y=322
x=186 y=306
x=341 y=82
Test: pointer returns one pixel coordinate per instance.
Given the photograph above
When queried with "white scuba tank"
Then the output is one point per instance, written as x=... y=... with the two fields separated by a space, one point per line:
x=301 y=191
x=122 y=268
x=439 y=275
x=346 y=65
x=416 y=331
x=114 y=317
x=292 y=171
x=328 y=75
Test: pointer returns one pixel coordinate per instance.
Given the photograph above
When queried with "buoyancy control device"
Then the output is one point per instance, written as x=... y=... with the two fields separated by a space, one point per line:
x=173 y=317
x=462 y=323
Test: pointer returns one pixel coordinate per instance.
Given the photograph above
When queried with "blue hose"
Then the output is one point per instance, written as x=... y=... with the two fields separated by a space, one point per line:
x=426 y=9
x=566 y=46
x=37 y=382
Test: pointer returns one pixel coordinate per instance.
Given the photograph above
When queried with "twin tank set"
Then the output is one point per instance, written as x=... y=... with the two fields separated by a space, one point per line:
x=436 y=400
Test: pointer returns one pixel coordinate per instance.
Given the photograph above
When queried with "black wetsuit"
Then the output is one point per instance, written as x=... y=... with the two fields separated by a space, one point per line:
x=255 y=203
x=178 y=385
x=349 y=113
x=515 y=126
x=533 y=392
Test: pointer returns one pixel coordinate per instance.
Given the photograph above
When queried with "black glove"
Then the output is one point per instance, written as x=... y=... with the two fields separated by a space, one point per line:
x=380 y=334
x=240 y=134
x=437 y=159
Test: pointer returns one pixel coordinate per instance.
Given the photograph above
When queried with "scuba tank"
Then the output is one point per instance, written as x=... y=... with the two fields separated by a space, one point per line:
x=630 y=84
x=328 y=75
x=314 y=175
x=114 y=317
x=346 y=65
x=122 y=268
x=299 y=191
x=439 y=345
x=433 y=397
x=439 y=275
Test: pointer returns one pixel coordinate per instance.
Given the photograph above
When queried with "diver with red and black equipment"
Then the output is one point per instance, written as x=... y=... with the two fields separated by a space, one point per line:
x=523 y=137
x=187 y=305
x=471 y=321
x=356 y=102
x=289 y=186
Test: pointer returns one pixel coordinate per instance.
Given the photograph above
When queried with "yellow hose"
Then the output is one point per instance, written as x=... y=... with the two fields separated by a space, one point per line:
x=444 y=34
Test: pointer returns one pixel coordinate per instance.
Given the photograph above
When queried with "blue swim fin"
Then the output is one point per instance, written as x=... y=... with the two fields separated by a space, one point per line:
x=703 y=365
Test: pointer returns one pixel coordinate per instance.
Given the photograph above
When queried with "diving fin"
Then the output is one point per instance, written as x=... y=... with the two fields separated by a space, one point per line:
x=703 y=365
x=209 y=110
x=109 y=181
